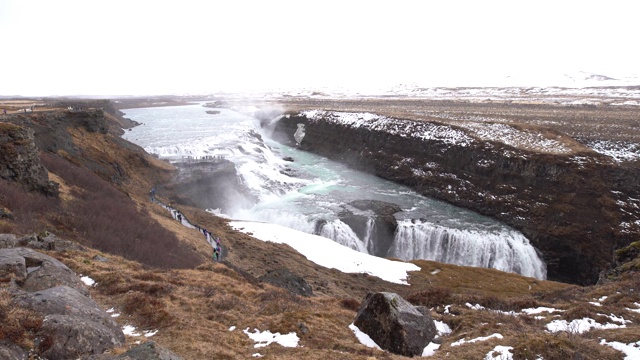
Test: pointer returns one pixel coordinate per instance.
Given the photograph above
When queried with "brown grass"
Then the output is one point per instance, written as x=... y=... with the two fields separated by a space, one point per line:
x=18 y=325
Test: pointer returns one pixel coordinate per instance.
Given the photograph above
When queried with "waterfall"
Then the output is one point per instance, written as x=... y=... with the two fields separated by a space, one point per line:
x=342 y=234
x=507 y=250
x=309 y=194
x=369 y=242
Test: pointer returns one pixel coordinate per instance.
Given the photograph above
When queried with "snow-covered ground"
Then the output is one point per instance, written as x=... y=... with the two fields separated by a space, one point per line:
x=415 y=129
x=327 y=253
x=447 y=134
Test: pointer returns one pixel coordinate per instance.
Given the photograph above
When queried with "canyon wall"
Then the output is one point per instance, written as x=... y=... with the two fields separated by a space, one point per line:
x=576 y=208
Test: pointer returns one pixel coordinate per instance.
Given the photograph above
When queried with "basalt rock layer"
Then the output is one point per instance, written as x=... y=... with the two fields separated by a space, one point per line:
x=20 y=161
x=573 y=206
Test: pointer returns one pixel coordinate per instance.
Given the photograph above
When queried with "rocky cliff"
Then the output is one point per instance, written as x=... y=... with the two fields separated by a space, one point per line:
x=20 y=161
x=573 y=205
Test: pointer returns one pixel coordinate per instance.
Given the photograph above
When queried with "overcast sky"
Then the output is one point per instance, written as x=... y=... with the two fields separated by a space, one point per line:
x=114 y=47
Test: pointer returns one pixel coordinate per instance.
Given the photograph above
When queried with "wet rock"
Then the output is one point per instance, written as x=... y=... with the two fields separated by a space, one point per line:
x=209 y=185
x=149 y=351
x=285 y=279
x=394 y=324
x=357 y=215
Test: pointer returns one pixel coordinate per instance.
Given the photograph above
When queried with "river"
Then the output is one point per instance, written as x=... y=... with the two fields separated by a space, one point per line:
x=312 y=190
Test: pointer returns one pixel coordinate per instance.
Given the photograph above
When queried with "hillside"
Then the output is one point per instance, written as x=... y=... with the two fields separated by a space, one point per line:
x=158 y=276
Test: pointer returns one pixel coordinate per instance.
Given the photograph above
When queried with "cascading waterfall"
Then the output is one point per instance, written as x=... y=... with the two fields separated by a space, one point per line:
x=342 y=234
x=507 y=251
x=369 y=244
x=311 y=194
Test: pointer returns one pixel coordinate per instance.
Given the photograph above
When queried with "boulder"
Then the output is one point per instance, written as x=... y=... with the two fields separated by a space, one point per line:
x=72 y=337
x=285 y=279
x=11 y=351
x=12 y=265
x=149 y=351
x=44 y=241
x=64 y=300
x=35 y=271
x=7 y=241
x=394 y=324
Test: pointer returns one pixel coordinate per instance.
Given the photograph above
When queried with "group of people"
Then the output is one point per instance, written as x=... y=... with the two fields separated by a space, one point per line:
x=214 y=241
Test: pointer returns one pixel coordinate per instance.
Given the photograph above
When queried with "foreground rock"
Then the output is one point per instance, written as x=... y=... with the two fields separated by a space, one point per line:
x=34 y=271
x=394 y=324
x=74 y=325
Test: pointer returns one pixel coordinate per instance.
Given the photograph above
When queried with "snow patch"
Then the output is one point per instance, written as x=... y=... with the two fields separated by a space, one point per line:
x=88 y=281
x=363 y=337
x=620 y=151
x=520 y=139
x=579 y=326
x=632 y=350
x=325 y=252
x=130 y=330
x=404 y=128
x=150 y=333
x=500 y=353
x=430 y=349
x=265 y=338
x=482 y=338
x=532 y=311
x=442 y=327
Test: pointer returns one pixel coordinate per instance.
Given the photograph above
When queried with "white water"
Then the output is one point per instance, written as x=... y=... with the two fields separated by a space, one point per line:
x=320 y=189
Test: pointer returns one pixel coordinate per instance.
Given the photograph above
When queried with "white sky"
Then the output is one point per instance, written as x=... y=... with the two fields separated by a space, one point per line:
x=103 y=47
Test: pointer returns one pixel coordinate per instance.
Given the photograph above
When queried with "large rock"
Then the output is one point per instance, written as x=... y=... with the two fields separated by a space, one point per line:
x=394 y=324
x=35 y=271
x=74 y=325
x=72 y=337
x=63 y=300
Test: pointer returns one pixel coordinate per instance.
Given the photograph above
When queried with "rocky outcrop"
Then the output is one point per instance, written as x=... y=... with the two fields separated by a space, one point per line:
x=569 y=206
x=20 y=162
x=34 y=271
x=372 y=220
x=287 y=280
x=74 y=325
x=394 y=324
x=209 y=184
x=60 y=131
